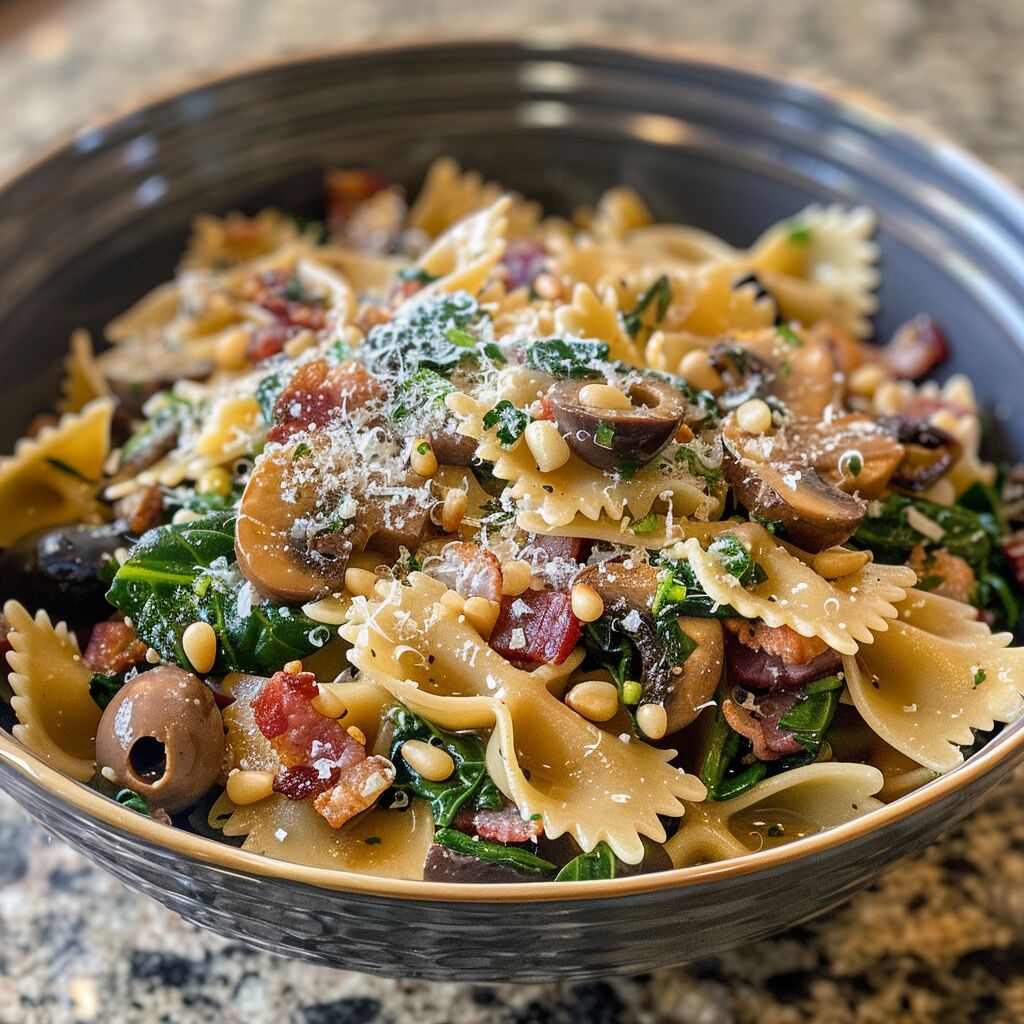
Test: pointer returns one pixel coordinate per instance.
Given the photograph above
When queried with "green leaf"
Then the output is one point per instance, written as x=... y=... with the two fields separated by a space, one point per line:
x=416 y=274
x=788 y=335
x=661 y=294
x=469 y=784
x=598 y=864
x=267 y=393
x=103 y=689
x=177 y=575
x=697 y=467
x=483 y=849
x=645 y=525
x=425 y=389
x=130 y=799
x=810 y=718
x=567 y=357
x=510 y=421
x=170 y=413
x=799 y=233
x=604 y=436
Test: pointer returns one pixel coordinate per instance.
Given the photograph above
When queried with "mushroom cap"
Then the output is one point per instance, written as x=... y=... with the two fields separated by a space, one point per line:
x=163 y=736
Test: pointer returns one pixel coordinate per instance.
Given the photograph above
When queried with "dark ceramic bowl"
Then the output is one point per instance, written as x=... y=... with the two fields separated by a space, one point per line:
x=85 y=230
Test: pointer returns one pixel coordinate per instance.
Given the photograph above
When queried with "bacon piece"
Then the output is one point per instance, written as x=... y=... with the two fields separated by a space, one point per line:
x=505 y=825
x=572 y=549
x=114 y=647
x=954 y=574
x=268 y=341
x=760 y=725
x=916 y=349
x=315 y=393
x=779 y=641
x=537 y=627
x=346 y=189
x=320 y=759
x=273 y=291
x=142 y=509
x=469 y=570
x=356 y=790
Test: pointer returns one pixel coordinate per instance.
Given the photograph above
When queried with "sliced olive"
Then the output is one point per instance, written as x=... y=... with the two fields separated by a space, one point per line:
x=611 y=438
x=64 y=570
x=162 y=735
x=444 y=865
x=928 y=452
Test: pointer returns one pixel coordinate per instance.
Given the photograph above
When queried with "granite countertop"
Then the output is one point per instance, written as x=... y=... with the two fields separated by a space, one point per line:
x=939 y=938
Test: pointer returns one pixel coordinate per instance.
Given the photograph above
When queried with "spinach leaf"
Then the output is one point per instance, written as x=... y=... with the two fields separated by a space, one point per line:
x=483 y=849
x=177 y=575
x=469 y=784
x=599 y=863
x=566 y=357
x=103 y=689
x=697 y=467
x=810 y=718
x=267 y=393
x=510 y=421
x=422 y=337
x=425 y=389
x=170 y=414
x=659 y=293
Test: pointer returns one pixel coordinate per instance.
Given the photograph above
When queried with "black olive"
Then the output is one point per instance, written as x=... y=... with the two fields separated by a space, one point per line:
x=444 y=865
x=612 y=438
x=65 y=570
x=929 y=452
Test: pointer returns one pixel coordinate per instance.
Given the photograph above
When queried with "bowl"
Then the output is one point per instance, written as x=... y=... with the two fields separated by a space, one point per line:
x=90 y=226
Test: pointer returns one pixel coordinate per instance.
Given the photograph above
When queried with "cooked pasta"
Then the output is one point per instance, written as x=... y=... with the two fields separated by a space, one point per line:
x=448 y=541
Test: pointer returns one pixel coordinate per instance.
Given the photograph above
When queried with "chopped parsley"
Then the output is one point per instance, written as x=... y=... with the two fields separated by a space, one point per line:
x=788 y=335
x=604 y=436
x=566 y=357
x=425 y=389
x=645 y=525
x=510 y=421
x=979 y=677
x=660 y=293
x=800 y=234
x=697 y=467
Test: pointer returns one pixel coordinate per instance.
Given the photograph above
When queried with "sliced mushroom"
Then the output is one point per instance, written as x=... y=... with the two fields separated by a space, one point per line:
x=812 y=477
x=679 y=689
x=928 y=452
x=288 y=539
x=162 y=735
x=451 y=447
x=610 y=438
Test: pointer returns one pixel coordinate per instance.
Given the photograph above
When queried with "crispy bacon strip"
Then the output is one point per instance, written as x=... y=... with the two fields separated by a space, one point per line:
x=114 y=647
x=760 y=725
x=505 y=825
x=779 y=641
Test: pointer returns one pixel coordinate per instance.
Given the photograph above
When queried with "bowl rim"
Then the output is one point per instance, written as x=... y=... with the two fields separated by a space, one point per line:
x=1008 y=745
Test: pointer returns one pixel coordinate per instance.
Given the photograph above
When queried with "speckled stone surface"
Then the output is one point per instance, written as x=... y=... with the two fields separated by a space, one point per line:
x=940 y=938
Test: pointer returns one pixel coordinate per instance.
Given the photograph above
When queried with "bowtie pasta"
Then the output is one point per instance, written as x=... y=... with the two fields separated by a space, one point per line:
x=450 y=541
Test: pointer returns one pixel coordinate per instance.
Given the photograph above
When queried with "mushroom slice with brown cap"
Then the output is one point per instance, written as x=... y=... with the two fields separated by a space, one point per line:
x=628 y=587
x=803 y=475
x=290 y=540
x=610 y=438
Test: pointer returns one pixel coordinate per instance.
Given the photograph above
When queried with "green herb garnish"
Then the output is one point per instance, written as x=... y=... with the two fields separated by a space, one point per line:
x=660 y=293
x=604 y=436
x=598 y=864
x=510 y=421
x=566 y=357
x=483 y=849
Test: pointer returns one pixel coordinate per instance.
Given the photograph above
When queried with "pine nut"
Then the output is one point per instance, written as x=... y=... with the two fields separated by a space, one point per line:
x=594 y=699
x=696 y=369
x=422 y=458
x=866 y=379
x=945 y=420
x=456 y=501
x=232 y=349
x=604 y=396
x=360 y=582
x=215 y=480
x=433 y=763
x=296 y=346
x=328 y=703
x=481 y=614
x=515 y=577
x=889 y=399
x=152 y=657
x=357 y=734
x=293 y=668
x=834 y=563
x=754 y=416
x=653 y=720
x=547 y=286
x=587 y=604
x=547 y=445
x=248 y=787
x=199 y=643
x=185 y=515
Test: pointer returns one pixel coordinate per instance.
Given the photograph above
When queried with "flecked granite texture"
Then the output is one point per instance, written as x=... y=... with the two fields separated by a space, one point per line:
x=940 y=938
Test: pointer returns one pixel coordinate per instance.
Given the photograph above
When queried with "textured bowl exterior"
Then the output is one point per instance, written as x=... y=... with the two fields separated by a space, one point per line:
x=88 y=228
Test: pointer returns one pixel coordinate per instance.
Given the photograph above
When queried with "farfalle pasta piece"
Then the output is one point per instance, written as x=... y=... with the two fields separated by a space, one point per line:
x=723 y=300
x=619 y=212
x=844 y=612
x=576 y=487
x=927 y=682
x=57 y=716
x=811 y=799
x=820 y=265
x=588 y=316
x=147 y=317
x=463 y=257
x=582 y=780
x=83 y=380
x=447 y=195
x=221 y=242
x=53 y=478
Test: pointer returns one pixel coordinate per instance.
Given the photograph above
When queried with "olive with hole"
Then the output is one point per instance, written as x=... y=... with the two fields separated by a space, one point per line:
x=162 y=735
x=613 y=438
x=64 y=570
